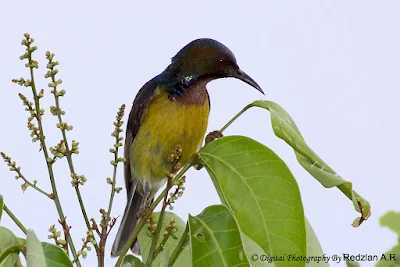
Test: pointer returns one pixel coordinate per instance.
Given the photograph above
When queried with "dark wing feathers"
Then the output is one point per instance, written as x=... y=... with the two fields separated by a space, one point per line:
x=138 y=112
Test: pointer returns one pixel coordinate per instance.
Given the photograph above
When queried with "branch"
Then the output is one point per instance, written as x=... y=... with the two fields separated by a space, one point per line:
x=154 y=250
x=118 y=143
x=235 y=117
x=56 y=111
x=13 y=167
x=38 y=113
x=142 y=221
x=151 y=255
x=178 y=249
x=15 y=219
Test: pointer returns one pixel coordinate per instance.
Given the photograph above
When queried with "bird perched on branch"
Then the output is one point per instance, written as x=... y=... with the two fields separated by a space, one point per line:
x=170 y=109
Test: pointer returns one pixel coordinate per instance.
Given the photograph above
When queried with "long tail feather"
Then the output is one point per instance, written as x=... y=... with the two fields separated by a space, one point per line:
x=128 y=223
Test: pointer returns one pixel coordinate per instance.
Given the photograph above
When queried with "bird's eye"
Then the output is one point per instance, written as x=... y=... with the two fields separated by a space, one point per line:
x=221 y=61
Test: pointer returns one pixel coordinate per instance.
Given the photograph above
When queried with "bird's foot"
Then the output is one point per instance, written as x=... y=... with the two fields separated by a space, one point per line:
x=212 y=136
x=144 y=211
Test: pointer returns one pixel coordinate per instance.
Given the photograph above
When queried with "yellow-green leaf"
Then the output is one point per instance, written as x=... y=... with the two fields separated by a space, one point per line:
x=55 y=256
x=215 y=239
x=1 y=206
x=285 y=128
x=9 y=248
x=391 y=258
x=131 y=261
x=34 y=251
x=314 y=249
x=262 y=194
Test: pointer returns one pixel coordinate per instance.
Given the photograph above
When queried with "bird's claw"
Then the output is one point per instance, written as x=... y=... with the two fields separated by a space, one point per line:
x=144 y=211
x=212 y=136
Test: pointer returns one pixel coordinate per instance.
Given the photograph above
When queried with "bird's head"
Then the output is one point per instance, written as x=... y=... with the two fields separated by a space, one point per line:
x=204 y=60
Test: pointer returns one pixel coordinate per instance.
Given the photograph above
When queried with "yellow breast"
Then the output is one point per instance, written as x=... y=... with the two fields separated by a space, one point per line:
x=167 y=124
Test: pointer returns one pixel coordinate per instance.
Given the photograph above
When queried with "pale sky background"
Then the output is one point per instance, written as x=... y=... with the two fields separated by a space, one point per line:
x=333 y=65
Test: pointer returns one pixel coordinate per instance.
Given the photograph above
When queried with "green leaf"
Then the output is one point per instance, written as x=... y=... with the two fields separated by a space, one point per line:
x=259 y=189
x=255 y=254
x=352 y=264
x=391 y=220
x=391 y=258
x=34 y=251
x=55 y=256
x=285 y=128
x=215 y=239
x=314 y=248
x=9 y=248
x=131 y=261
x=165 y=258
x=21 y=241
x=1 y=206
x=258 y=258
x=145 y=241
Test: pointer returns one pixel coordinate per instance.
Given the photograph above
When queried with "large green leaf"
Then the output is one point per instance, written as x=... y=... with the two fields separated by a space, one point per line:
x=255 y=254
x=285 y=128
x=258 y=258
x=55 y=256
x=1 y=206
x=34 y=251
x=215 y=239
x=9 y=248
x=145 y=241
x=131 y=261
x=314 y=249
x=259 y=189
x=391 y=258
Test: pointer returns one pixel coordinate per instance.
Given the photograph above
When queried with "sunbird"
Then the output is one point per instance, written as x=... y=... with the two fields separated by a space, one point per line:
x=169 y=110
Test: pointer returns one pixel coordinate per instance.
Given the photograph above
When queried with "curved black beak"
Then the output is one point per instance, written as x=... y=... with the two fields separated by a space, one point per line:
x=241 y=75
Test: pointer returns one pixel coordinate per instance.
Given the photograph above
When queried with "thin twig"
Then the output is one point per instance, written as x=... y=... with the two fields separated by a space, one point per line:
x=17 y=169
x=117 y=144
x=33 y=64
x=15 y=219
x=142 y=221
x=154 y=241
x=235 y=117
x=178 y=249
x=68 y=152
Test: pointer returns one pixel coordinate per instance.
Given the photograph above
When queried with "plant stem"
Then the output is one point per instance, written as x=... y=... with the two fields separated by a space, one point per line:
x=235 y=117
x=178 y=249
x=46 y=155
x=103 y=236
x=68 y=155
x=154 y=241
x=15 y=219
x=142 y=221
x=20 y=175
